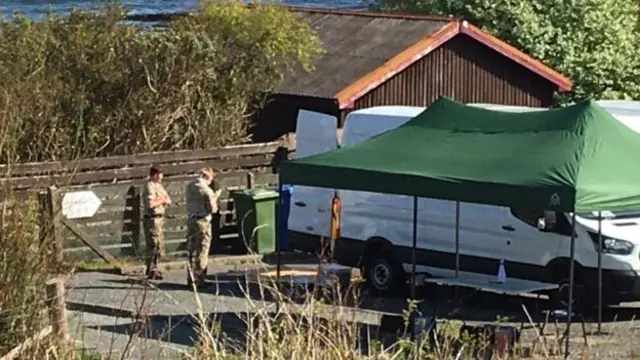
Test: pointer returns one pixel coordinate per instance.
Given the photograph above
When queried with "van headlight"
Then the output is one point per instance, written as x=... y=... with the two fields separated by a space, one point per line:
x=617 y=246
x=612 y=246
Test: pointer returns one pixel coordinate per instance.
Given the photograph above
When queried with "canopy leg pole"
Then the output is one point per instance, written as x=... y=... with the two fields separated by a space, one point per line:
x=278 y=250
x=570 y=303
x=332 y=245
x=457 y=239
x=414 y=312
x=599 y=272
x=457 y=245
x=413 y=248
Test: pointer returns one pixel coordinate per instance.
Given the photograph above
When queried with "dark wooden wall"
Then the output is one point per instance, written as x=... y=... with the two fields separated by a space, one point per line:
x=280 y=112
x=467 y=71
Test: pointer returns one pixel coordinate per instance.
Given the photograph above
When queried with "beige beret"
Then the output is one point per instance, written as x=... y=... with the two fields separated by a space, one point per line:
x=207 y=171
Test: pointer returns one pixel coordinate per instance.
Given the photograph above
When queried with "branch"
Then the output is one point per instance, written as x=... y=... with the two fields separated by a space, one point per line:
x=148 y=78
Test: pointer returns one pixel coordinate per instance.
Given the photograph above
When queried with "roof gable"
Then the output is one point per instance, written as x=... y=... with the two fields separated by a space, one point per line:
x=364 y=49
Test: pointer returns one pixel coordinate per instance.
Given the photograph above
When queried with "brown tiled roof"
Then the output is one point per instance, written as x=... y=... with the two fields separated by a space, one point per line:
x=364 y=49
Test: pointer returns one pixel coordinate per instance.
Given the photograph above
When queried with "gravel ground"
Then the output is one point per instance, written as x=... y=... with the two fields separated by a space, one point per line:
x=169 y=304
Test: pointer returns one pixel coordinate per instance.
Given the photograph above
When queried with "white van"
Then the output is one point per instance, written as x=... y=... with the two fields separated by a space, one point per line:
x=376 y=229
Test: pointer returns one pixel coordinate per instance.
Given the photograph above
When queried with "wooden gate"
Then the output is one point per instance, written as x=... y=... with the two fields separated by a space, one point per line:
x=115 y=230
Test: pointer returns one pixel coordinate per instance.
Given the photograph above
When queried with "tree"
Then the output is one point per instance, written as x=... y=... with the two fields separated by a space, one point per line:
x=594 y=42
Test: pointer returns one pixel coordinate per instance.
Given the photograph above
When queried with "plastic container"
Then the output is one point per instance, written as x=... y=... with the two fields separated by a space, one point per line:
x=256 y=217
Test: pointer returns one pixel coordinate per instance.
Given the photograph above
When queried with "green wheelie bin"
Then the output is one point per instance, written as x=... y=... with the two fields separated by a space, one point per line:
x=256 y=217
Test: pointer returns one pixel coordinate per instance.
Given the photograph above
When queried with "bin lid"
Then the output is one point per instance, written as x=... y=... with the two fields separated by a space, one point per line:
x=259 y=194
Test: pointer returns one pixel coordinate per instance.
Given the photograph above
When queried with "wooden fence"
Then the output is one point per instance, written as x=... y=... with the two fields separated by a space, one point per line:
x=118 y=169
x=116 y=228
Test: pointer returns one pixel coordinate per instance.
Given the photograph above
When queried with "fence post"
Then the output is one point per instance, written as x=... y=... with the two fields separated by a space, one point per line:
x=56 y=301
x=136 y=218
x=250 y=180
x=43 y=216
x=142 y=241
x=54 y=208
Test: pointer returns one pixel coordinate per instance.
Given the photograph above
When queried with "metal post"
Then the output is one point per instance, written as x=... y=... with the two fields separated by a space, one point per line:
x=457 y=238
x=413 y=248
x=332 y=245
x=599 y=272
x=250 y=180
x=278 y=257
x=570 y=303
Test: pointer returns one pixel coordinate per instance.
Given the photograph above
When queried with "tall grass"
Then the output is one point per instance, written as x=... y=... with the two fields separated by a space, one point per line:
x=89 y=84
x=325 y=325
x=27 y=260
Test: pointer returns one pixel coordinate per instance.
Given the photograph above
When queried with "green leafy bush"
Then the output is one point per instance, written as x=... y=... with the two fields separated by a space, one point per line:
x=90 y=84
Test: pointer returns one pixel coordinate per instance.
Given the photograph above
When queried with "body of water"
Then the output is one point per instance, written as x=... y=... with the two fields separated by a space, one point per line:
x=35 y=9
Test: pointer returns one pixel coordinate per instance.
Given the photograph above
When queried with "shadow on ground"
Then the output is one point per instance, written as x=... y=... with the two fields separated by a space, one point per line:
x=230 y=328
x=477 y=307
x=179 y=329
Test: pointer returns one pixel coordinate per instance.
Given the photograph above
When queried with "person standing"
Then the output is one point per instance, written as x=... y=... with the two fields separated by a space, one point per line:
x=202 y=206
x=156 y=200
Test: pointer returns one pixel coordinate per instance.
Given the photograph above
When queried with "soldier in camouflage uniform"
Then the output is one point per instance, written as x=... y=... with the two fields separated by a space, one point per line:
x=201 y=208
x=156 y=200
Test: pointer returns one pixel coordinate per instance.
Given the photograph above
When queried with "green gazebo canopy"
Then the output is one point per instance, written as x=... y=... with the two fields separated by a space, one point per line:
x=578 y=158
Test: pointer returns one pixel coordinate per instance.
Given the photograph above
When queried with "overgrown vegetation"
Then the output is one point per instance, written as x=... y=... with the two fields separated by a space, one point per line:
x=26 y=262
x=91 y=85
x=593 y=42
x=88 y=84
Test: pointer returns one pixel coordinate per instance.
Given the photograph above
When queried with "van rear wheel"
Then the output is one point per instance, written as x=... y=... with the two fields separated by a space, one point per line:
x=383 y=274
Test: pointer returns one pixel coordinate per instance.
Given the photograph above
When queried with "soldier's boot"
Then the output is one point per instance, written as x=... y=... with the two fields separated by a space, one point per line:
x=190 y=279
x=155 y=274
x=152 y=270
x=199 y=279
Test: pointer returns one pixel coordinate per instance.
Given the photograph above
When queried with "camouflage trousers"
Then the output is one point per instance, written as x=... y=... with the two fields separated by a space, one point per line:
x=198 y=243
x=154 y=235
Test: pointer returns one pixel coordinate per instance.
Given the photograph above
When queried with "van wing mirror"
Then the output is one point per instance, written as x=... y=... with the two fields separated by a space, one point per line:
x=547 y=221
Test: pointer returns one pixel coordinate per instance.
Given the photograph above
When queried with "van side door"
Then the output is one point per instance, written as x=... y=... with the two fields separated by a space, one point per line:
x=531 y=246
x=311 y=206
x=483 y=238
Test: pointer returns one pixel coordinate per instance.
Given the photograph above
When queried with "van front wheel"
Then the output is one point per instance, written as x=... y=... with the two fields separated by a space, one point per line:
x=580 y=302
x=383 y=274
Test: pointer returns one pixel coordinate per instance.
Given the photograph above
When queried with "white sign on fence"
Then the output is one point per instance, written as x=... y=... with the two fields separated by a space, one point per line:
x=80 y=204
